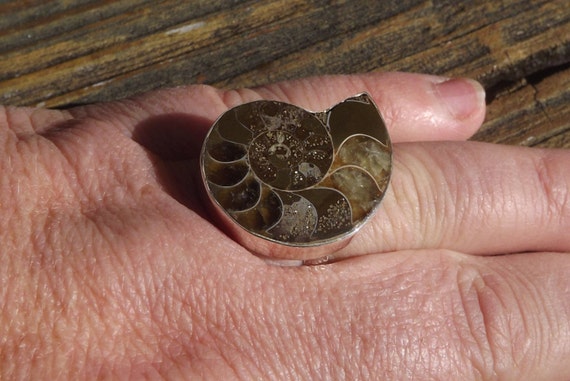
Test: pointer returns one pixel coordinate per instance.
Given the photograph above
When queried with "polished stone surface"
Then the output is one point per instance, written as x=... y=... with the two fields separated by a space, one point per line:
x=295 y=177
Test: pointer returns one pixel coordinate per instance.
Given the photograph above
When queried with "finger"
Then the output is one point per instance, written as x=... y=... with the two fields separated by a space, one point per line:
x=439 y=315
x=415 y=107
x=27 y=120
x=472 y=197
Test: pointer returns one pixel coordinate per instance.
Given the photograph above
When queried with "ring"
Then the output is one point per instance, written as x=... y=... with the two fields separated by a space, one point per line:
x=291 y=185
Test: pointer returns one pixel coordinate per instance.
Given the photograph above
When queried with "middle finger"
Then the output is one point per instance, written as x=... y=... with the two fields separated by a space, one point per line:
x=473 y=197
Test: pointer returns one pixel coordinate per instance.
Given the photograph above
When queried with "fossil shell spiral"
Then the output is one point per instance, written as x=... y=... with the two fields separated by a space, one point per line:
x=293 y=184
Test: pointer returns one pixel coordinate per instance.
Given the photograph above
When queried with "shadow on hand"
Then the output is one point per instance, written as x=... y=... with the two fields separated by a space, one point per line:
x=174 y=142
x=173 y=136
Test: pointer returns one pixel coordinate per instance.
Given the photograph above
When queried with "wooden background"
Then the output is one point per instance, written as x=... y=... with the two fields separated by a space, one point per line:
x=60 y=53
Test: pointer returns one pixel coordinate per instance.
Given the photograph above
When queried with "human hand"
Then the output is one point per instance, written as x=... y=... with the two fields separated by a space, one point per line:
x=110 y=267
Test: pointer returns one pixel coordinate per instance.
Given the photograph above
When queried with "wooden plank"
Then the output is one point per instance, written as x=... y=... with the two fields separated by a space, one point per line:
x=421 y=40
x=23 y=14
x=91 y=29
x=534 y=112
x=127 y=56
x=40 y=33
x=88 y=51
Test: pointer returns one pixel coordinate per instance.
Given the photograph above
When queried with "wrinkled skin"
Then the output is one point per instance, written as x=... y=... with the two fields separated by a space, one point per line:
x=110 y=266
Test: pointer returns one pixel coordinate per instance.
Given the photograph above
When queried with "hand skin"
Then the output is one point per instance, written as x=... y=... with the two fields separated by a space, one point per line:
x=111 y=269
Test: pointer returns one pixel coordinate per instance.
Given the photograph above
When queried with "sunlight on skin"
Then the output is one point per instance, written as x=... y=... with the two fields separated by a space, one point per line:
x=111 y=267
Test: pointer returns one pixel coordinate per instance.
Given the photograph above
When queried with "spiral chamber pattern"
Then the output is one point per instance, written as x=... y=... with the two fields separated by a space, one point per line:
x=296 y=177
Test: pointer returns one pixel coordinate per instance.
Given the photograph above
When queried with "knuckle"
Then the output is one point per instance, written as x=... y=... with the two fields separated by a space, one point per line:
x=475 y=321
x=497 y=335
x=232 y=97
x=553 y=188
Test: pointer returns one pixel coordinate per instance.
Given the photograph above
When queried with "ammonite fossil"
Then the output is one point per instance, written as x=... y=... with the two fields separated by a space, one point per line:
x=292 y=184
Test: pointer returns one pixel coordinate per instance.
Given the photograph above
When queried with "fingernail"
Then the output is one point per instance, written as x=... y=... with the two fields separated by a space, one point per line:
x=462 y=96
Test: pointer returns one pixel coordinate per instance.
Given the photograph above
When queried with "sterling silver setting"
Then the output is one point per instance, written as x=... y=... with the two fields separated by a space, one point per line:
x=292 y=185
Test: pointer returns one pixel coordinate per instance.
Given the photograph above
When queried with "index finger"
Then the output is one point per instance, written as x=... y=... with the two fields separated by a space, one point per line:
x=173 y=123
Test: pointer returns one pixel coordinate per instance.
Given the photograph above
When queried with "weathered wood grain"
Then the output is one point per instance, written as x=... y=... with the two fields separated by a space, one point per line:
x=533 y=112
x=57 y=53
